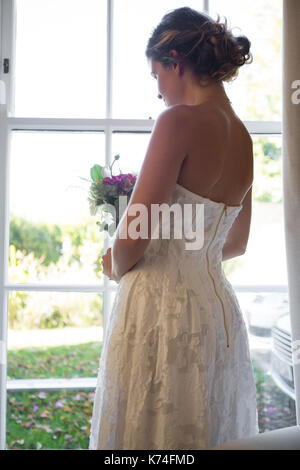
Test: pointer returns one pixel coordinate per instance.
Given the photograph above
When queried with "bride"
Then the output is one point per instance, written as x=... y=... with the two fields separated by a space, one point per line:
x=175 y=369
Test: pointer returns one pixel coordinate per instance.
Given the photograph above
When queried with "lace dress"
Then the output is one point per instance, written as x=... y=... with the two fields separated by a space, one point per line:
x=175 y=369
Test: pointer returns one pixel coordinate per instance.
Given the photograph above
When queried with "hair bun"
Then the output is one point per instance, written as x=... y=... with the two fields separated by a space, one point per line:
x=241 y=54
x=244 y=42
x=205 y=44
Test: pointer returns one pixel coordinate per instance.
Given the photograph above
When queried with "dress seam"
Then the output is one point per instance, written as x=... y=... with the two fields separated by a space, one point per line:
x=212 y=278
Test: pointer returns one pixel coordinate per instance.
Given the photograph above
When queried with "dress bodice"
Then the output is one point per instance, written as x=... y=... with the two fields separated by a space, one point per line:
x=213 y=219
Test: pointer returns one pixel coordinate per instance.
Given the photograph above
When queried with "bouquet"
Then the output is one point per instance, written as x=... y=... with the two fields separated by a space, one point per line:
x=106 y=190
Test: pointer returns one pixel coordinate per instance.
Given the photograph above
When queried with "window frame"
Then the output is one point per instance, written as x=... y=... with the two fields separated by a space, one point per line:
x=9 y=123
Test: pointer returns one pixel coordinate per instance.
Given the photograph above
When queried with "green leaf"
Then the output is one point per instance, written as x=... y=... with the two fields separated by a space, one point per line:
x=96 y=172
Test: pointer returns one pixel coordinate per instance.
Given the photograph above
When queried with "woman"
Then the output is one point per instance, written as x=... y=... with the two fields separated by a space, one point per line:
x=175 y=369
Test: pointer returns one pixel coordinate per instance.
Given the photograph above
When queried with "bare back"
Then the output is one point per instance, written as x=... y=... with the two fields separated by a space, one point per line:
x=219 y=161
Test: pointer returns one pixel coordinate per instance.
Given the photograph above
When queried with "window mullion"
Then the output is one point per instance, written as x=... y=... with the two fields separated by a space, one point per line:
x=108 y=143
x=109 y=58
x=130 y=125
x=7 y=38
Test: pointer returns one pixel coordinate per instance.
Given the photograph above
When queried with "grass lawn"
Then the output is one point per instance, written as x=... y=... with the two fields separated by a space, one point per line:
x=61 y=419
x=80 y=360
x=275 y=408
x=260 y=377
x=51 y=420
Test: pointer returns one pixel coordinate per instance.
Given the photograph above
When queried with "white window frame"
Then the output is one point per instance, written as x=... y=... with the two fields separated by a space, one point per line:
x=8 y=123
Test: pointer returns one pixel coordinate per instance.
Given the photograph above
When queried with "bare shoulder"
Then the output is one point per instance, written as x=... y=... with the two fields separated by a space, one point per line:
x=208 y=118
x=174 y=123
x=173 y=113
x=203 y=116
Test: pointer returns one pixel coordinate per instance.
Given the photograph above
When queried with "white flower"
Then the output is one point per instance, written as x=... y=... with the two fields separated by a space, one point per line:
x=105 y=172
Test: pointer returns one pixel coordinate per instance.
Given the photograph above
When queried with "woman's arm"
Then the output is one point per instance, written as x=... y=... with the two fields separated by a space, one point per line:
x=127 y=253
x=230 y=252
x=237 y=238
x=155 y=183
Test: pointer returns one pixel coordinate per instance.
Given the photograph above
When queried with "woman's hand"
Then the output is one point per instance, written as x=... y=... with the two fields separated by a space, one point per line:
x=107 y=266
x=106 y=263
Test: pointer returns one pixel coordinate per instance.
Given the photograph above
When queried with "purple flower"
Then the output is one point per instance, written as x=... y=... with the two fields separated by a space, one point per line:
x=271 y=409
x=59 y=404
x=125 y=181
x=108 y=180
x=35 y=407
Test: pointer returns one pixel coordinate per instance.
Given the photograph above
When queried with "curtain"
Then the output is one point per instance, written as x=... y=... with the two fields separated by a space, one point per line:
x=291 y=171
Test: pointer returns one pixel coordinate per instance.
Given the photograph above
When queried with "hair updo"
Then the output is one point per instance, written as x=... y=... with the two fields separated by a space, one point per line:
x=208 y=46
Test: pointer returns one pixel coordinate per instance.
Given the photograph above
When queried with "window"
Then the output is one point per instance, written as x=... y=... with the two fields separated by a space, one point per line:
x=78 y=91
x=134 y=95
x=60 y=58
x=256 y=94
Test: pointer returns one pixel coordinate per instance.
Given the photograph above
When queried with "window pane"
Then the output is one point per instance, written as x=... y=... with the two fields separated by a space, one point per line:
x=268 y=322
x=267 y=224
x=256 y=92
x=52 y=336
x=53 y=237
x=132 y=148
x=38 y=420
x=50 y=320
x=61 y=58
x=134 y=90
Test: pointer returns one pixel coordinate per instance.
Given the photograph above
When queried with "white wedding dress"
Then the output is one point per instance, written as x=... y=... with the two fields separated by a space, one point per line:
x=175 y=369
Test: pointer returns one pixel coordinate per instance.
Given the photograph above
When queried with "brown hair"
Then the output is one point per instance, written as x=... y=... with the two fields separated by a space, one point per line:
x=208 y=46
